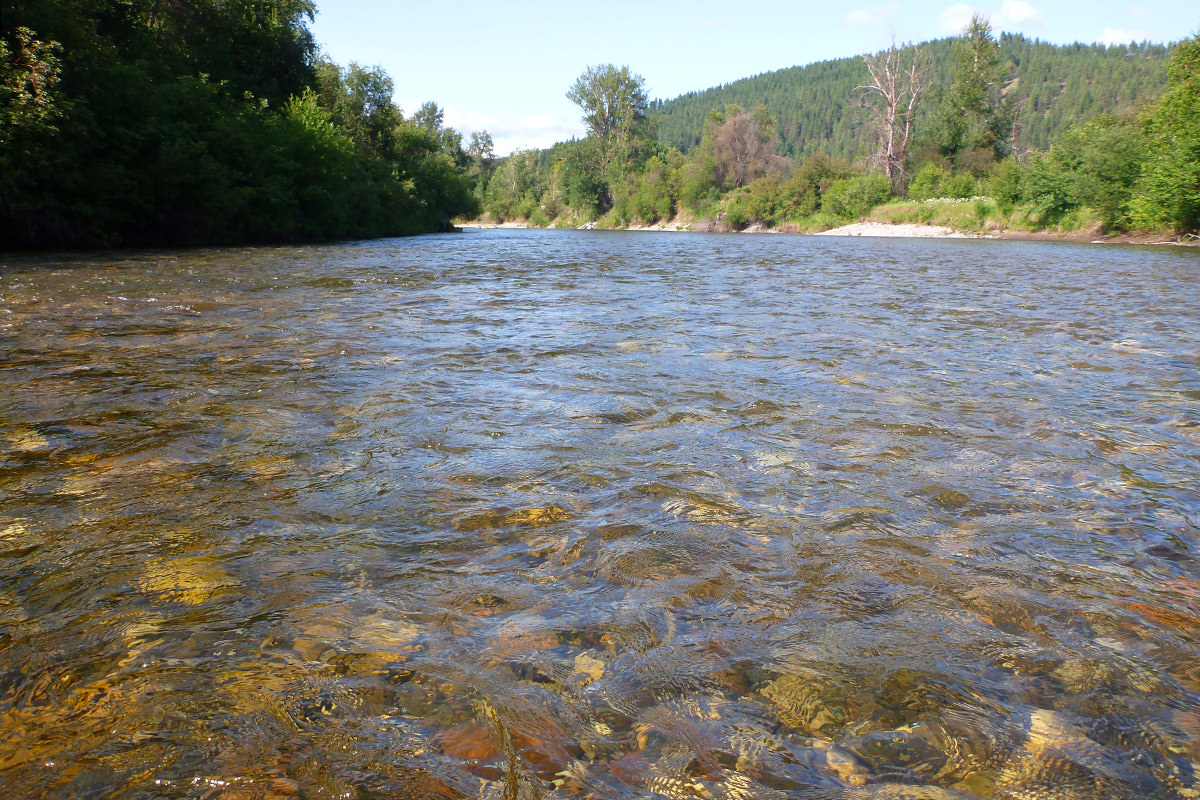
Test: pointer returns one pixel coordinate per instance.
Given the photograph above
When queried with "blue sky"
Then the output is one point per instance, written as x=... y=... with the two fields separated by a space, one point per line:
x=506 y=67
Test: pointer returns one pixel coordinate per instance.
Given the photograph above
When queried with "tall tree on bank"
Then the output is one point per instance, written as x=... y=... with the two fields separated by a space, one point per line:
x=614 y=105
x=891 y=100
x=975 y=125
x=743 y=147
x=1170 y=185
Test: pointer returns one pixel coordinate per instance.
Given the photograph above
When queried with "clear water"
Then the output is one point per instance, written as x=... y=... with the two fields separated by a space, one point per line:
x=516 y=514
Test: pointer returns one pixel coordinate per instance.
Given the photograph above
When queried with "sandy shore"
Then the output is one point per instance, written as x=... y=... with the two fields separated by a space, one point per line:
x=486 y=225
x=673 y=225
x=907 y=230
x=910 y=230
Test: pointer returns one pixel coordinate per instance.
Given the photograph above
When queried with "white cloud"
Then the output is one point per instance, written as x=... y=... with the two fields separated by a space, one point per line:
x=1012 y=15
x=876 y=14
x=1122 y=36
x=538 y=121
x=536 y=131
x=467 y=121
x=539 y=130
x=861 y=16
x=1016 y=13
x=1139 y=12
x=953 y=19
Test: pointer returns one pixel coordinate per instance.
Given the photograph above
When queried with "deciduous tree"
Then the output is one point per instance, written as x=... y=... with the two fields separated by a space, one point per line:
x=1170 y=182
x=891 y=99
x=744 y=147
x=614 y=105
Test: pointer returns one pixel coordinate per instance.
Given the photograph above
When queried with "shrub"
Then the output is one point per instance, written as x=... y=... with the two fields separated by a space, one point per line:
x=1005 y=185
x=959 y=186
x=854 y=197
x=927 y=183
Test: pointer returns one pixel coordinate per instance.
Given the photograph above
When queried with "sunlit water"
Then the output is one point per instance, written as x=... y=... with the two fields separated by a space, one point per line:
x=560 y=514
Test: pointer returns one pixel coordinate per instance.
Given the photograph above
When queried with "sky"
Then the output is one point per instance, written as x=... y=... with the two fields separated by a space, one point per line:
x=506 y=68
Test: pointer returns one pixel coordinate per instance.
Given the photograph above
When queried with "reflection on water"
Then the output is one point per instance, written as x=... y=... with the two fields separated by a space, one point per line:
x=533 y=514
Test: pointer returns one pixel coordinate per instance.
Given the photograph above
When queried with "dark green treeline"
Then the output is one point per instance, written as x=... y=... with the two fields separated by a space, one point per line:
x=206 y=121
x=1049 y=88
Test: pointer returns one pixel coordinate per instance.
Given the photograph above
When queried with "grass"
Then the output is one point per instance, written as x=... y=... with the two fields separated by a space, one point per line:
x=982 y=215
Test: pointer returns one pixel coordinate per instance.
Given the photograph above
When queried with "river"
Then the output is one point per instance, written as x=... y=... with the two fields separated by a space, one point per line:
x=517 y=514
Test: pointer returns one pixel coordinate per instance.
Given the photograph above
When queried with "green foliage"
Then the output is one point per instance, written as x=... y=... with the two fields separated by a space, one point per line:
x=761 y=201
x=984 y=208
x=586 y=188
x=854 y=197
x=481 y=162
x=29 y=74
x=959 y=186
x=1048 y=88
x=1104 y=160
x=614 y=105
x=516 y=187
x=1092 y=166
x=927 y=183
x=656 y=193
x=976 y=67
x=972 y=122
x=206 y=121
x=1004 y=184
x=1047 y=188
x=698 y=187
x=1170 y=184
x=802 y=192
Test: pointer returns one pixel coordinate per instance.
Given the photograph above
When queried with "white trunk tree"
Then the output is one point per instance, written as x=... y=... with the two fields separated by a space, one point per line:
x=891 y=100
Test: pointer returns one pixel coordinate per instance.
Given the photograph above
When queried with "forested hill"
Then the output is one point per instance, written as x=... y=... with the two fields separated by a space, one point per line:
x=1051 y=87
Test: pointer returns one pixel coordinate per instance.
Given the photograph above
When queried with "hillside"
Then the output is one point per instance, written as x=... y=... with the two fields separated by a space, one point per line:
x=1056 y=86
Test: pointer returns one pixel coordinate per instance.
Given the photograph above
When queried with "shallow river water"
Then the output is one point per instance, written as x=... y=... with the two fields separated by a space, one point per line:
x=521 y=514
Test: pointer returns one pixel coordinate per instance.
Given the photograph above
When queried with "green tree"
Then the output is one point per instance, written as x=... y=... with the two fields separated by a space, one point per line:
x=927 y=183
x=1170 y=183
x=801 y=194
x=29 y=74
x=516 y=187
x=1103 y=161
x=586 y=189
x=854 y=197
x=148 y=122
x=481 y=156
x=614 y=105
x=973 y=120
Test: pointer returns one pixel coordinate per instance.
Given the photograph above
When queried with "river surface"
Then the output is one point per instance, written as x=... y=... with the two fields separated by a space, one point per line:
x=521 y=514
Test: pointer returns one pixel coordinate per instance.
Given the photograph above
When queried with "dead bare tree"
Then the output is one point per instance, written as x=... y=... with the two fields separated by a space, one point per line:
x=891 y=100
x=744 y=147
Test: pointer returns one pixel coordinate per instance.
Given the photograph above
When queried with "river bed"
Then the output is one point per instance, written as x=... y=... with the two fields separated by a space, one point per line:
x=521 y=513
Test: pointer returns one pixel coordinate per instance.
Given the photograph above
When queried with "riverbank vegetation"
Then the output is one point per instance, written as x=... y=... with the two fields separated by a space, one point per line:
x=209 y=121
x=218 y=121
x=952 y=150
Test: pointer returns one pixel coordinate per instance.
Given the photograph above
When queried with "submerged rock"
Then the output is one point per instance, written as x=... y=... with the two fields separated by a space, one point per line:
x=192 y=580
x=898 y=754
x=809 y=704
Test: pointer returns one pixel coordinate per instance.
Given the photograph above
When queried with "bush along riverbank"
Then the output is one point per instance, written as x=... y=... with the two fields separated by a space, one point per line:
x=207 y=122
x=1132 y=175
x=975 y=217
